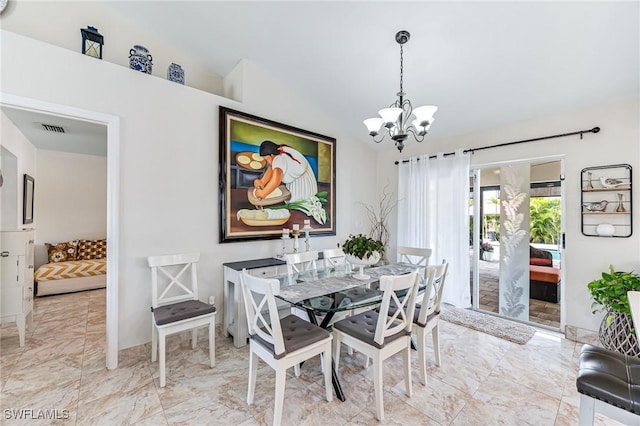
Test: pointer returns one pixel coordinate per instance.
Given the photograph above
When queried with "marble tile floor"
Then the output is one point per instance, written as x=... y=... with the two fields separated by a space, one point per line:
x=483 y=380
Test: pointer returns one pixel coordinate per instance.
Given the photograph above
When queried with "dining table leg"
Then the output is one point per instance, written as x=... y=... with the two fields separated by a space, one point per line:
x=334 y=374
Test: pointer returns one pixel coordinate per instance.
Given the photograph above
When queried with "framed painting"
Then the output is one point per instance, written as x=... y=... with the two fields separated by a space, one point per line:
x=274 y=177
x=27 y=200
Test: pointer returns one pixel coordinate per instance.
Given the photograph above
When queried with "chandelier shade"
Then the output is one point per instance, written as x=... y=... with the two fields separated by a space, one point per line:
x=395 y=120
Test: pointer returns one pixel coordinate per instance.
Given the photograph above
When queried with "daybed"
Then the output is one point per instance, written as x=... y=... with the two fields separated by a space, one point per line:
x=544 y=279
x=73 y=266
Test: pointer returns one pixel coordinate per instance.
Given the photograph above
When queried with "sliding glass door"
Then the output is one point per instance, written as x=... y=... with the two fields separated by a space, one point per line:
x=516 y=214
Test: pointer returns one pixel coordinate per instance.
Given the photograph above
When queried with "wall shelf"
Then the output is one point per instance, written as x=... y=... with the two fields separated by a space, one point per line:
x=606 y=199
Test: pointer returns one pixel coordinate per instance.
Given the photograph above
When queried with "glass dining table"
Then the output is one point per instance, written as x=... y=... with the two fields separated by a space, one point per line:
x=327 y=291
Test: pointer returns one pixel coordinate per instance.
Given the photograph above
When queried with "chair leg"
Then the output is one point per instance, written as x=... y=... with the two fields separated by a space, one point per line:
x=422 y=358
x=212 y=342
x=378 y=387
x=406 y=358
x=161 y=341
x=296 y=370
x=435 y=334
x=587 y=410
x=326 y=358
x=336 y=352
x=154 y=343
x=253 y=372
x=194 y=338
x=281 y=376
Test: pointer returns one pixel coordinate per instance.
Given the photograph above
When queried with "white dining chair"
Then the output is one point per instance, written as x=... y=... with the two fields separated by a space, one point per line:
x=175 y=307
x=280 y=342
x=301 y=262
x=427 y=315
x=418 y=257
x=334 y=257
x=379 y=336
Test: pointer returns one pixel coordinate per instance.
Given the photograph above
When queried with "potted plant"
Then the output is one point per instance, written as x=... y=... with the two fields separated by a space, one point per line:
x=610 y=293
x=362 y=250
x=485 y=247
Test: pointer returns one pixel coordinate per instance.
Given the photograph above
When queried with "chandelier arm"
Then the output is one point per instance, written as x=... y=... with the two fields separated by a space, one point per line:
x=415 y=134
x=381 y=139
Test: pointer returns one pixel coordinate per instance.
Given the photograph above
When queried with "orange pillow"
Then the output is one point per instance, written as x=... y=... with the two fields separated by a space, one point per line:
x=540 y=261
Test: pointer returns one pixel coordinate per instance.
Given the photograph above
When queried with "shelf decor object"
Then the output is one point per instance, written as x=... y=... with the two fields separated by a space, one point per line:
x=606 y=200
x=140 y=59
x=175 y=73
x=92 y=42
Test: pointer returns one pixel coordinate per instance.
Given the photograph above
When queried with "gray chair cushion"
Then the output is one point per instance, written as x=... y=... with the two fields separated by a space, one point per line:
x=297 y=334
x=611 y=377
x=363 y=327
x=182 y=310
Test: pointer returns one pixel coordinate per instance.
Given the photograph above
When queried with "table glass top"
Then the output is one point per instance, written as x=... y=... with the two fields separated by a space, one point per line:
x=336 y=289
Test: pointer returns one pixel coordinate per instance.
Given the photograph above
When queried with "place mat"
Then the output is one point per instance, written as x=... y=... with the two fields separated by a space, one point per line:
x=498 y=327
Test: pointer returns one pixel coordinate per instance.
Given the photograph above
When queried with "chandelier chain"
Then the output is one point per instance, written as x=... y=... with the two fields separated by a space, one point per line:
x=401 y=70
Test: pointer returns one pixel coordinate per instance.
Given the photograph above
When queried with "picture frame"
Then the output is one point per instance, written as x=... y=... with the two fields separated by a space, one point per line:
x=27 y=199
x=295 y=170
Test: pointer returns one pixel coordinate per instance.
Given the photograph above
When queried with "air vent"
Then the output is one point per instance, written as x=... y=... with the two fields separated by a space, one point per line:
x=52 y=128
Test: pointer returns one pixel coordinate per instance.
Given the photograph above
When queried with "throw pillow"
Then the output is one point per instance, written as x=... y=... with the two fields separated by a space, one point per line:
x=92 y=249
x=62 y=252
x=540 y=261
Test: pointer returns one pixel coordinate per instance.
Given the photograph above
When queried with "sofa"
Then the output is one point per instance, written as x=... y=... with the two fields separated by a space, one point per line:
x=544 y=279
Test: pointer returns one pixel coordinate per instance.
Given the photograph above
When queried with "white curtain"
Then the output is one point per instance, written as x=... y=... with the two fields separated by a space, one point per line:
x=433 y=212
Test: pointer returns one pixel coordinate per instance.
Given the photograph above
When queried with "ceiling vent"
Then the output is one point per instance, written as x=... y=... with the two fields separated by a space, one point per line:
x=52 y=128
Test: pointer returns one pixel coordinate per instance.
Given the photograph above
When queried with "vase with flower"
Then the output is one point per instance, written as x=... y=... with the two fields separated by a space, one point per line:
x=485 y=247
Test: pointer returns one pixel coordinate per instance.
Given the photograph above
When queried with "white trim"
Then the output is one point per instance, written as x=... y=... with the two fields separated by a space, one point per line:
x=113 y=195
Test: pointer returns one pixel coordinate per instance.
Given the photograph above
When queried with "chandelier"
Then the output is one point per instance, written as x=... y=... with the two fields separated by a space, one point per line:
x=395 y=119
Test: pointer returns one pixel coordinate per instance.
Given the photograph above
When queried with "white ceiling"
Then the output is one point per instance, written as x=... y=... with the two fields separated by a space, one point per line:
x=483 y=63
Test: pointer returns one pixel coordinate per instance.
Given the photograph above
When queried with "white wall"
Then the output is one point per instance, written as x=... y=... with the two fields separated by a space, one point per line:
x=169 y=161
x=617 y=142
x=70 y=198
x=34 y=19
x=18 y=145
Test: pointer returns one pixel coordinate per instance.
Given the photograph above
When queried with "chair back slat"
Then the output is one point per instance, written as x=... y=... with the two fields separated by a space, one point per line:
x=301 y=262
x=334 y=257
x=415 y=256
x=432 y=297
x=402 y=319
x=174 y=278
x=258 y=294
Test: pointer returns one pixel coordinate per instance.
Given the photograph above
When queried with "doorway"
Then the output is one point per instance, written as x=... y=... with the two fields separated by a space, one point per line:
x=516 y=241
x=112 y=124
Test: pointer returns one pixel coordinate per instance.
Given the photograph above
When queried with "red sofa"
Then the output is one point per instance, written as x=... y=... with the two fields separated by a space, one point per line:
x=544 y=279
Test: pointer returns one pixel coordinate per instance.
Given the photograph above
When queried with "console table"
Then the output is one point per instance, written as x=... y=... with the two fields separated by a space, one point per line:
x=235 y=317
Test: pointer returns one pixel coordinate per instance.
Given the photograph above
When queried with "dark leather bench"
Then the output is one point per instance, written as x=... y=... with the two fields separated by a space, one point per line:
x=609 y=382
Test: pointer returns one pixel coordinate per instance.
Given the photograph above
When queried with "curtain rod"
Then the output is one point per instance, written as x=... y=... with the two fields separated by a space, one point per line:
x=472 y=150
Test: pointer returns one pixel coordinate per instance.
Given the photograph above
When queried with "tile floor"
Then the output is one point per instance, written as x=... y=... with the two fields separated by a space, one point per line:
x=483 y=380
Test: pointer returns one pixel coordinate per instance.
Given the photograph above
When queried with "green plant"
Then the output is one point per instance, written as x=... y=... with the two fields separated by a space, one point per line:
x=610 y=291
x=544 y=222
x=362 y=246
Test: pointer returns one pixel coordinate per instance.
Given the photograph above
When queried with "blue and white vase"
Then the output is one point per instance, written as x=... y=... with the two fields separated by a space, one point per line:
x=140 y=59
x=175 y=73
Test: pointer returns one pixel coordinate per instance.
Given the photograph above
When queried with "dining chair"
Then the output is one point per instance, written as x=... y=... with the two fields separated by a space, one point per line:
x=301 y=262
x=416 y=256
x=427 y=315
x=280 y=342
x=379 y=336
x=175 y=307
x=334 y=257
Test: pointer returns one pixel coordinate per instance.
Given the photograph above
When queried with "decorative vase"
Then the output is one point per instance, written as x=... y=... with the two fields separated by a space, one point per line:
x=140 y=59
x=589 y=182
x=620 y=207
x=605 y=230
x=361 y=263
x=616 y=334
x=175 y=73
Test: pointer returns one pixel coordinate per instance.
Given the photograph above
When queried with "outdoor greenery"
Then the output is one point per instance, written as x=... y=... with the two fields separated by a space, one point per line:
x=610 y=291
x=544 y=222
x=362 y=246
